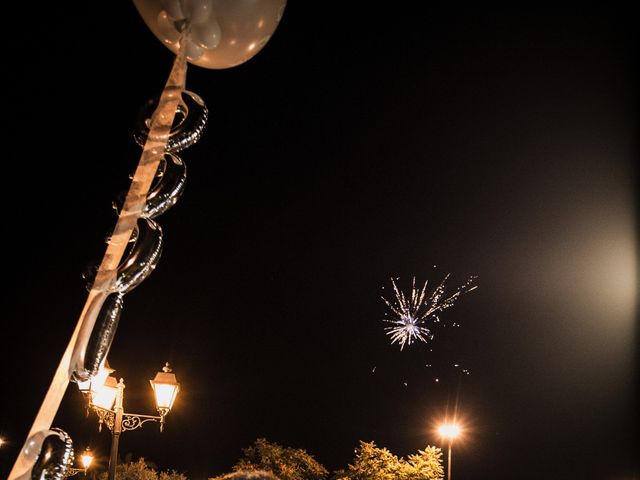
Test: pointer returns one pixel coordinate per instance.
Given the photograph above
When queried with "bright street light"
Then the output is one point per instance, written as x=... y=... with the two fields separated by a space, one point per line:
x=165 y=387
x=85 y=459
x=449 y=431
x=105 y=396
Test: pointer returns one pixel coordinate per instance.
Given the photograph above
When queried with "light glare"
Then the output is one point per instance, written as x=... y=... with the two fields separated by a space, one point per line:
x=165 y=388
x=105 y=395
x=165 y=394
x=449 y=430
x=86 y=458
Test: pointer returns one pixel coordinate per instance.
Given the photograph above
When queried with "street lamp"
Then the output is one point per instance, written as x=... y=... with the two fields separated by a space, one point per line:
x=85 y=459
x=449 y=431
x=99 y=389
x=106 y=397
x=165 y=388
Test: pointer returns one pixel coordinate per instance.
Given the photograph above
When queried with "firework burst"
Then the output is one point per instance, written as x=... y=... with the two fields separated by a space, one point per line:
x=410 y=314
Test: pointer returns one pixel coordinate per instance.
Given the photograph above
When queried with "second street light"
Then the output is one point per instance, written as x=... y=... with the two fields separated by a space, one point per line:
x=449 y=431
x=85 y=459
x=105 y=397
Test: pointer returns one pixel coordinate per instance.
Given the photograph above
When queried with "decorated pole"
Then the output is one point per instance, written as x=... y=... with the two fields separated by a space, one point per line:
x=209 y=33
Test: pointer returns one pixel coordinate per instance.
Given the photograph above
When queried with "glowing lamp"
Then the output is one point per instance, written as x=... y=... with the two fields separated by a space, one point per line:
x=84 y=387
x=90 y=387
x=86 y=458
x=104 y=396
x=165 y=388
x=102 y=374
x=449 y=430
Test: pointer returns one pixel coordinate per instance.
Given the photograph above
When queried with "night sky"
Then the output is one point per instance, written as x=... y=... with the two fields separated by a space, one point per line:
x=360 y=144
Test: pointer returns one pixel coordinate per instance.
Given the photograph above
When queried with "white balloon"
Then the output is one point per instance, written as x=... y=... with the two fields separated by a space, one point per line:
x=222 y=33
x=197 y=11
x=166 y=29
x=207 y=35
x=173 y=8
x=194 y=52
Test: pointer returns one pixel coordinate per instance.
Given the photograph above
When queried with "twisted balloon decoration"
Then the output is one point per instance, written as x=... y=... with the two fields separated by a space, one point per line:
x=209 y=33
x=145 y=243
x=89 y=346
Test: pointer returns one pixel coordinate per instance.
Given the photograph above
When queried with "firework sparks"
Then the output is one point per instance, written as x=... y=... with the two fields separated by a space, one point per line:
x=411 y=313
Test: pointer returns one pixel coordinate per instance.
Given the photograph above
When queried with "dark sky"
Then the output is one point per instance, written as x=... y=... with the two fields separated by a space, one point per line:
x=359 y=144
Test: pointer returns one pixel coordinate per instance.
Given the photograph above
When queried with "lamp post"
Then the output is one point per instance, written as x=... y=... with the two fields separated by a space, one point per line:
x=85 y=459
x=449 y=431
x=105 y=397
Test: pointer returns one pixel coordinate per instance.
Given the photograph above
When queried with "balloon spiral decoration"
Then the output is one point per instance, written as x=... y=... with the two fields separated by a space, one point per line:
x=212 y=34
x=52 y=452
x=145 y=244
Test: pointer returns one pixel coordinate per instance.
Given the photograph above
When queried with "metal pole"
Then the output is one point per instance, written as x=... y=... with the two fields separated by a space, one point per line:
x=117 y=429
x=449 y=462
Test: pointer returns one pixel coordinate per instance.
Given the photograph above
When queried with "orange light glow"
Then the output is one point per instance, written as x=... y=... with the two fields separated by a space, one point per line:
x=449 y=430
x=86 y=458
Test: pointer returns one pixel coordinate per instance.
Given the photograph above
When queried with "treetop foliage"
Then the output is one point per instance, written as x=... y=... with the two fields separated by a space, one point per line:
x=265 y=460
x=375 y=463
x=140 y=470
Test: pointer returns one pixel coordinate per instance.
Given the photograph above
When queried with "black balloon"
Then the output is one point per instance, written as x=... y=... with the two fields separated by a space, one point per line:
x=191 y=118
x=55 y=456
x=142 y=259
x=102 y=335
x=172 y=176
x=145 y=244
x=165 y=192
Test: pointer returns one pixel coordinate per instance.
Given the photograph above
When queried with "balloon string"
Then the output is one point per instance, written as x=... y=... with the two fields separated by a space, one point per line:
x=152 y=153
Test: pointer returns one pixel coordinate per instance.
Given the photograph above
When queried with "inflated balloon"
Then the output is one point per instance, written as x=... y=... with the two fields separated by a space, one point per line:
x=168 y=186
x=220 y=33
x=53 y=452
x=172 y=174
x=32 y=448
x=191 y=118
x=101 y=338
x=142 y=259
x=145 y=242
